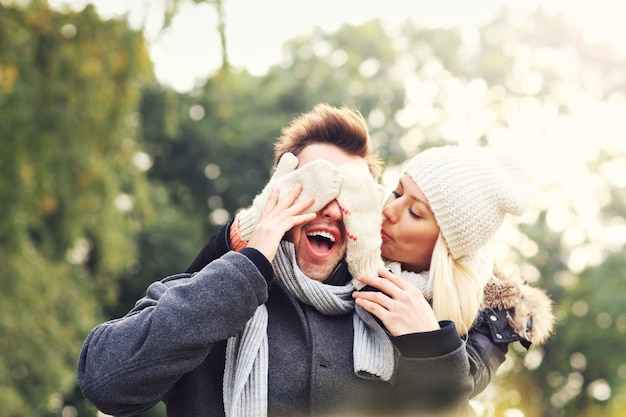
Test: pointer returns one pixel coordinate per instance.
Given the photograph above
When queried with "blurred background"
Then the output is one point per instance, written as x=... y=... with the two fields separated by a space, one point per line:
x=130 y=131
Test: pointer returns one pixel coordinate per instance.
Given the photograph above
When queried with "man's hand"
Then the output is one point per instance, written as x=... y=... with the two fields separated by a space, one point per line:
x=279 y=215
x=400 y=306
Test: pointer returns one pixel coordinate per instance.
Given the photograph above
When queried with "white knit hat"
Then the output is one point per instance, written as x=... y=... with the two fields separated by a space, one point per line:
x=470 y=190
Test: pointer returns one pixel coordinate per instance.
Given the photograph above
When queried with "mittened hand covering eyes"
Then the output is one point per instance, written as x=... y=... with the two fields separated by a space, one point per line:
x=382 y=196
x=359 y=198
x=320 y=179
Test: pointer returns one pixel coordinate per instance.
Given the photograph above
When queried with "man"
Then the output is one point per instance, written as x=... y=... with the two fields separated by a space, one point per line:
x=270 y=328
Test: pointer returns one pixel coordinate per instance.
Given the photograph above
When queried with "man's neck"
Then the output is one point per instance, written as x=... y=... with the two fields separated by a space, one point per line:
x=339 y=276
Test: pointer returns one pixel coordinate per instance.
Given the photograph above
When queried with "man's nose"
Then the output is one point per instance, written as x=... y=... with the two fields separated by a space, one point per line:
x=332 y=212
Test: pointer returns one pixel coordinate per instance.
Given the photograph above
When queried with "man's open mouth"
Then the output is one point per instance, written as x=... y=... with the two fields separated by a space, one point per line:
x=321 y=242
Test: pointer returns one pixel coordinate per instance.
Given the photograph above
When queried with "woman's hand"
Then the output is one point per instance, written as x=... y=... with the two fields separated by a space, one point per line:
x=279 y=216
x=400 y=306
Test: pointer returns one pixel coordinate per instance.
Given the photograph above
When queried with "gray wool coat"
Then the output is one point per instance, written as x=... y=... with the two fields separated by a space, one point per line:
x=171 y=347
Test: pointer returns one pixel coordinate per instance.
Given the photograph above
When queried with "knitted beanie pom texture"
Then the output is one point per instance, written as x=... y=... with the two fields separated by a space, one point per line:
x=470 y=190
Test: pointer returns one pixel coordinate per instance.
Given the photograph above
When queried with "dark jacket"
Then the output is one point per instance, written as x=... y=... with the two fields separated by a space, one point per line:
x=171 y=347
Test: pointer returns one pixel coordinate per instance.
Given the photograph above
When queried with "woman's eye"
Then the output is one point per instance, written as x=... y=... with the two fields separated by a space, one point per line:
x=396 y=194
x=414 y=214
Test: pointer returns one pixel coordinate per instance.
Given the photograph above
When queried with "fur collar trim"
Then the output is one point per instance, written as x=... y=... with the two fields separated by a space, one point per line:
x=529 y=309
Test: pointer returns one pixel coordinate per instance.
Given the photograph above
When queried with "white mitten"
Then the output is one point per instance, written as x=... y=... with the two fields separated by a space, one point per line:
x=382 y=196
x=359 y=198
x=319 y=178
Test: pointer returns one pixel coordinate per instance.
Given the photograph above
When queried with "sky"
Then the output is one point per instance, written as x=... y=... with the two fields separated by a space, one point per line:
x=256 y=30
x=189 y=51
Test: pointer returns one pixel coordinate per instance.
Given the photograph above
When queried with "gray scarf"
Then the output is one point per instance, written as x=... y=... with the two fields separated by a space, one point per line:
x=246 y=370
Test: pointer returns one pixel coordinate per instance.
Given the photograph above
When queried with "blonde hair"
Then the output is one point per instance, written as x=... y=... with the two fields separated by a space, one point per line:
x=457 y=291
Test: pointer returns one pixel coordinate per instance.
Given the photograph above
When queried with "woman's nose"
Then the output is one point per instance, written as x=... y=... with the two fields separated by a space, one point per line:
x=390 y=212
x=332 y=211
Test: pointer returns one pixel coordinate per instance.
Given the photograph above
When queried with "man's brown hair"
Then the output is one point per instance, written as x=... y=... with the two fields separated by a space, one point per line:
x=343 y=127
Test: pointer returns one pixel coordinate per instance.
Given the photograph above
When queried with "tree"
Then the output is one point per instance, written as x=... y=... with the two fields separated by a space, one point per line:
x=110 y=152
x=73 y=198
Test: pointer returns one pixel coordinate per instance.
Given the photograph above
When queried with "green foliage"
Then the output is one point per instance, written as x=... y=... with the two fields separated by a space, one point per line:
x=68 y=91
x=354 y=67
x=64 y=172
x=219 y=154
x=47 y=311
x=78 y=105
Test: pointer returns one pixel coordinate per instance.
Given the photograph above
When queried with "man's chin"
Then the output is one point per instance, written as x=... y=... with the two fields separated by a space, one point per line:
x=315 y=265
x=315 y=272
x=318 y=277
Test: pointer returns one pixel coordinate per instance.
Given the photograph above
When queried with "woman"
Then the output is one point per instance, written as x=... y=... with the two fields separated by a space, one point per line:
x=436 y=229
